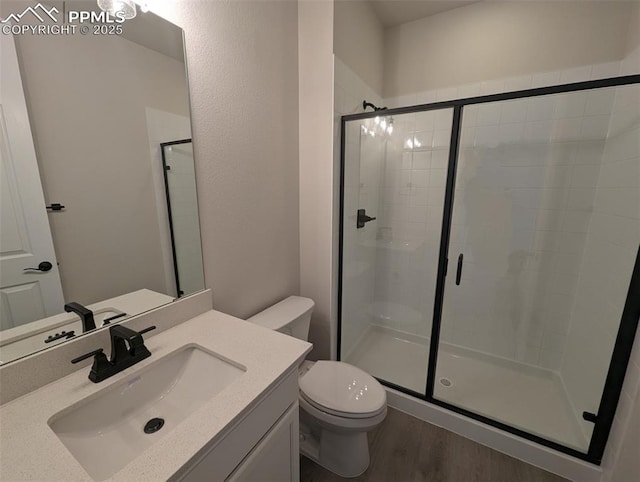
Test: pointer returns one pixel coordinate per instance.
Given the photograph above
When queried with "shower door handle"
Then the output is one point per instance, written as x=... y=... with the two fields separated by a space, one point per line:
x=459 y=270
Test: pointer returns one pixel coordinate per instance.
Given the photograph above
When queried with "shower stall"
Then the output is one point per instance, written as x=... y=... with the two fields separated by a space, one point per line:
x=489 y=255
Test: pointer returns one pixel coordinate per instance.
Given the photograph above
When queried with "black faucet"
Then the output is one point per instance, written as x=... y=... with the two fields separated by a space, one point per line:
x=127 y=349
x=85 y=314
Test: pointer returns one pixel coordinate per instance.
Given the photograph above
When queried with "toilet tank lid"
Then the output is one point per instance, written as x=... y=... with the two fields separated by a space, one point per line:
x=283 y=313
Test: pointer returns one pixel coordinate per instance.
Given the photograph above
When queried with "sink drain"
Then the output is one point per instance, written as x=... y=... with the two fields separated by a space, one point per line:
x=445 y=382
x=153 y=425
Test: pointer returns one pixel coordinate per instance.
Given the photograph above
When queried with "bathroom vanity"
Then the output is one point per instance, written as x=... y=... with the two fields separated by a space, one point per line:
x=217 y=398
x=226 y=389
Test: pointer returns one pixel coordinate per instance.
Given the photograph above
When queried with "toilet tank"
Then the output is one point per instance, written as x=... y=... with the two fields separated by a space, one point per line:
x=291 y=316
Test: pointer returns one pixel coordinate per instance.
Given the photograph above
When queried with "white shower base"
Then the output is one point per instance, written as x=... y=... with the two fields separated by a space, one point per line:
x=523 y=396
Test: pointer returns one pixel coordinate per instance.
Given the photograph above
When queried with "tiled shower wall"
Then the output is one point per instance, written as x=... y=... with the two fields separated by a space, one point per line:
x=621 y=464
x=551 y=229
x=410 y=223
x=525 y=185
x=609 y=256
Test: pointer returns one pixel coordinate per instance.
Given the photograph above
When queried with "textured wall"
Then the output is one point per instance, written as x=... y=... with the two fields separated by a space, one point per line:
x=358 y=40
x=242 y=60
x=318 y=224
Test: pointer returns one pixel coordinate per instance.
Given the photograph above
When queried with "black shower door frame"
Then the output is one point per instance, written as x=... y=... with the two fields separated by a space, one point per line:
x=631 y=312
x=165 y=171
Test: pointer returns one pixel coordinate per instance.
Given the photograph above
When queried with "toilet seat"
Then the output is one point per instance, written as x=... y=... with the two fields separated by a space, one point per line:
x=342 y=390
x=338 y=423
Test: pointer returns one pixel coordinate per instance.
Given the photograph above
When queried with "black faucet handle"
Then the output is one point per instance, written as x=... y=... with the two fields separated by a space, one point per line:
x=136 y=344
x=85 y=314
x=100 y=367
x=147 y=330
x=88 y=355
x=119 y=350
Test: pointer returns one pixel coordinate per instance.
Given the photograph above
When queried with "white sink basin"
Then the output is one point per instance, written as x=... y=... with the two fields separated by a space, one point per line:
x=105 y=431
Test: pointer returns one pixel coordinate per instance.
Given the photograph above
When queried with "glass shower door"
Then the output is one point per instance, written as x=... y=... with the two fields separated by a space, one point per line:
x=543 y=240
x=395 y=169
x=182 y=214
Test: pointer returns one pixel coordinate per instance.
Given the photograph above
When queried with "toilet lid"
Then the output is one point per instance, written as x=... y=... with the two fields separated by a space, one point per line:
x=343 y=388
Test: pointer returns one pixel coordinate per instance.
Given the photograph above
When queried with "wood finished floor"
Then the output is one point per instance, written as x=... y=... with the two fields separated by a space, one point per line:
x=404 y=448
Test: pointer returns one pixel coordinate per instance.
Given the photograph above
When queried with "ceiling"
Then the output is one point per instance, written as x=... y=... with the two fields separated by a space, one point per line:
x=395 y=12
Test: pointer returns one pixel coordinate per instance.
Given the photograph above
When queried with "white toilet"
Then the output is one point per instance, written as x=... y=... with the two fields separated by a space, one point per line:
x=339 y=403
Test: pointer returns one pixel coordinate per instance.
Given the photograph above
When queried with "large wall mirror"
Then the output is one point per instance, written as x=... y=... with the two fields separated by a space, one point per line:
x=99 y=209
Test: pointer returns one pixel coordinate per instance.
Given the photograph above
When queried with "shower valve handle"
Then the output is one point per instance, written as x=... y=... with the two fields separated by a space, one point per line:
x=363 y=218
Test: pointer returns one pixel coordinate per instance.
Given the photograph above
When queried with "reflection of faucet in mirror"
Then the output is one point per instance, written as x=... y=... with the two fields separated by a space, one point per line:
x=85 y=314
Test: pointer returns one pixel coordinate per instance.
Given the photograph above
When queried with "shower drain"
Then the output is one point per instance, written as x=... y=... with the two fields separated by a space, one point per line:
x=445 y=382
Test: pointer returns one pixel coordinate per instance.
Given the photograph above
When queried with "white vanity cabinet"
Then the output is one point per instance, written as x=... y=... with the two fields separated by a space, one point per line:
x=276 y=457
x=245 y=431
x=262 y=446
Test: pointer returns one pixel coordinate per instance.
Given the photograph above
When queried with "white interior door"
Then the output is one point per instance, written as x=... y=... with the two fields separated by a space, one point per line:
x=25 y=235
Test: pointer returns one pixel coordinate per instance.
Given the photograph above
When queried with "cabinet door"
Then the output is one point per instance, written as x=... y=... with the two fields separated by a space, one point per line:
x=275 y=458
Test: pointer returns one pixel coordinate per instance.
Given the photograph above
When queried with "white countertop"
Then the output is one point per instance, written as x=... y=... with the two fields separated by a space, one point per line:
x=30 y=450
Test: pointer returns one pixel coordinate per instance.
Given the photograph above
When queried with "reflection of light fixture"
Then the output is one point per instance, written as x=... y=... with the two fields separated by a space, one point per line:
x=379 y=126
x=412 y=143
x=124 y=8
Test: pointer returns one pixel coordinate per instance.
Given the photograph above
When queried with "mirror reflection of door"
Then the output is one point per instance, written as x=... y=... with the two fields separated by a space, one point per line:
x=182 y=212
x=30 y=288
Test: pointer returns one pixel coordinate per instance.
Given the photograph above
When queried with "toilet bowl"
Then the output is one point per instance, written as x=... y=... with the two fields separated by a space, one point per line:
x=339 y=403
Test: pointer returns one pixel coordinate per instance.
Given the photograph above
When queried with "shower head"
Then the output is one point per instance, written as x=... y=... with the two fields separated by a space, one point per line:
x=366 y=104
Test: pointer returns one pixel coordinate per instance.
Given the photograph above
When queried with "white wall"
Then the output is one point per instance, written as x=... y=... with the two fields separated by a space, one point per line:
x=242 y=60
x=628 y=466
x=94 y=156
x=358 y=40
x=318 y=176
x=492 y=40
